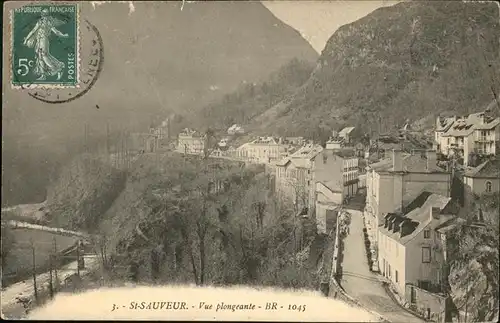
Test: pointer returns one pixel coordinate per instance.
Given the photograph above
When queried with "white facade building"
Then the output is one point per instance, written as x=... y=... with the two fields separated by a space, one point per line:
x=461 y=136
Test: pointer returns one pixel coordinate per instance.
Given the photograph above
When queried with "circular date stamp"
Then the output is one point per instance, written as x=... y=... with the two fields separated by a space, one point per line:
x=55 y=57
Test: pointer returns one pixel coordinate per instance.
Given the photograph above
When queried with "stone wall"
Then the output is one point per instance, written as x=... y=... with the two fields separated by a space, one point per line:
x=430 y=305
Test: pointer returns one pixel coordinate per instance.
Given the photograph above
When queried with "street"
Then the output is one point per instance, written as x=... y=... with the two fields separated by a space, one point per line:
x=362 y=284
x=25 y=288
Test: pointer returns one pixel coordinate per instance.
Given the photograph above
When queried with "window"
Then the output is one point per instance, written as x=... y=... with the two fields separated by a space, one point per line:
x=426 y=254
x=397 y=276
x=424 y=284
x=488 y=186
x=427 y=234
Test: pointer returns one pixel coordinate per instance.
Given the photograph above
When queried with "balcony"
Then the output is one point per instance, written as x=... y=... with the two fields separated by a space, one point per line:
x=484 y=139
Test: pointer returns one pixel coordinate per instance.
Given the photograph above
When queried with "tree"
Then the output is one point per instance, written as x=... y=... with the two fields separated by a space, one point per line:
x=8 y=243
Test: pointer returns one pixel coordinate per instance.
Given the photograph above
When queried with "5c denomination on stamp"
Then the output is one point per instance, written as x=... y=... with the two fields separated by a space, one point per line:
x=45 y=46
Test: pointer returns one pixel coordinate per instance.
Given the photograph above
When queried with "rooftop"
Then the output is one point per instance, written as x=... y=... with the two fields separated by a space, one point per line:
x=190 y=132
x=464 y=126
x=444 y=123
x=265 y=140
x=302 y=156
x=413 y=163
x=488 y=169
x=342 y=152
x=346 y=131
x=417 y=215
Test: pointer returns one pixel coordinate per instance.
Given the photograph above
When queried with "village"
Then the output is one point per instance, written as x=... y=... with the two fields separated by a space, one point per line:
x=409 y=190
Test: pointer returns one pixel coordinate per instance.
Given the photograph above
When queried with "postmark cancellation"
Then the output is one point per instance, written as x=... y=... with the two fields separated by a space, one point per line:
x=45 y=46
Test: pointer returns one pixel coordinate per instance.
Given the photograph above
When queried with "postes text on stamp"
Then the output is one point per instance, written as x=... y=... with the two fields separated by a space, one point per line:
x=45 y=46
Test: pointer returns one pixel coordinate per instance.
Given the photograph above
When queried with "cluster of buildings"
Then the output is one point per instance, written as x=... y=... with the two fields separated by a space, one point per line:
x=463 y=137
x=412 y=203
x=313 y=170
x=191 y=142
x=313 y=179
x=149 y=142
x=410 y=210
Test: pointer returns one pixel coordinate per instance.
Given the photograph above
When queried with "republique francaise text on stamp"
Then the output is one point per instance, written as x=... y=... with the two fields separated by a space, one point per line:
x=45 y=46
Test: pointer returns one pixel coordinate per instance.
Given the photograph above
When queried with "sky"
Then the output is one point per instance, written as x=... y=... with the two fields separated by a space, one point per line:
x=318 y=20
x=315 y=20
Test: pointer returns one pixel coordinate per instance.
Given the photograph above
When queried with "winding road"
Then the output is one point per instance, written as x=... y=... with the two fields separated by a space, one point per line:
x=362 y=284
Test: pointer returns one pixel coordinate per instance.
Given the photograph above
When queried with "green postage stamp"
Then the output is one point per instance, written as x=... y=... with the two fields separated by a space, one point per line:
x=45 y=45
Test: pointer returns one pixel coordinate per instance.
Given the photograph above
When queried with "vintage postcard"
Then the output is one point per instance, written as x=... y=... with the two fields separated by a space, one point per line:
x=307 y=161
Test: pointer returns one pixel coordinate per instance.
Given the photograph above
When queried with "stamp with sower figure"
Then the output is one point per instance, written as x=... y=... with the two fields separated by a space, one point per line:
x=45 y=46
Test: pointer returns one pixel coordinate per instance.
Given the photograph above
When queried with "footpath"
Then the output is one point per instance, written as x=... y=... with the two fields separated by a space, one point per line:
x=24 y=289
x=362 y=284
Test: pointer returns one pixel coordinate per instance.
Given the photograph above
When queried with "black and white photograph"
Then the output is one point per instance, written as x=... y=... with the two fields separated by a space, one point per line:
x=273 y=160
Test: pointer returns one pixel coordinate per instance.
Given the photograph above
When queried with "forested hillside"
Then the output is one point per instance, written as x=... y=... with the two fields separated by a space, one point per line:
x=252 y=99
x=408 y=61
x=204 y=222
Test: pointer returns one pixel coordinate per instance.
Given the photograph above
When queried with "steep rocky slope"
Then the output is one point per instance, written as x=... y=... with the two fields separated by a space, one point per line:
x=407 y=61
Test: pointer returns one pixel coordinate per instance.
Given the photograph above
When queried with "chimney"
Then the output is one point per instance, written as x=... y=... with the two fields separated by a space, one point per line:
x=397 y=161
x=431 y=159
x=435 y=213
x=396 y=225
x=405 y=228
x=481 y=118
x=438 y=121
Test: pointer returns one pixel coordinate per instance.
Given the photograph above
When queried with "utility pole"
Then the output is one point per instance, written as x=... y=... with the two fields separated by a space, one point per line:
x=34 y=270
x=466 y=298
x=51 y=284
x=55 y=264
x=78 y=258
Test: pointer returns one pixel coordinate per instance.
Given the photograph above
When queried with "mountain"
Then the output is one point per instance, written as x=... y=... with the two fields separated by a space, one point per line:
x=158 y=60
x=407 y=61
x=252 y=99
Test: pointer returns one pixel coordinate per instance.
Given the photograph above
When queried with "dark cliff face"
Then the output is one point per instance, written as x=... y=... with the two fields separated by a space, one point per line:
x=158 y=60
x=406 y=61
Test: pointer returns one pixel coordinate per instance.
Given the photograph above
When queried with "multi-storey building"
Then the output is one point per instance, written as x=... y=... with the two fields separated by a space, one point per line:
x=294 y=178
x=340 y=166
x=295 y=141
x=480 y=180
x=298 y=177
x=191 y=142
x=263 y=150
x=345 y=134
x=461 y=136
x=335 y=176
x=412 y=244
x=334 y=143
x=394 y=182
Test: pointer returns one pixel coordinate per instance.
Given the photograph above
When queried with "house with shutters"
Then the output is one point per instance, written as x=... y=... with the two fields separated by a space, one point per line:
x=294 y=177
x=394 y=182
x=477 y=133
x=414 y=246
